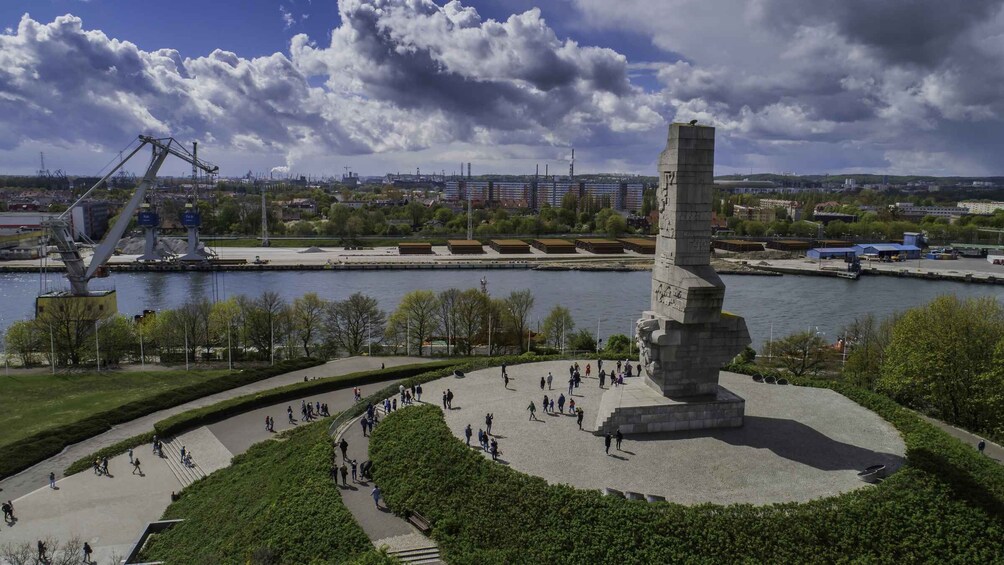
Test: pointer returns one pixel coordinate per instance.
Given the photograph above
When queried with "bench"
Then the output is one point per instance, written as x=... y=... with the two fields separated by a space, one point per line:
x=419 y=521
x=655 y=498
x=758 y=378
x=872 y=474
x=770 y=380
x=633 y=495
x=607 y=491
x=782 y=381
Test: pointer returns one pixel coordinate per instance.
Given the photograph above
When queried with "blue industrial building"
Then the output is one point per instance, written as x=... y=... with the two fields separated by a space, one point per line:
x=845 y=253
x=880 y=250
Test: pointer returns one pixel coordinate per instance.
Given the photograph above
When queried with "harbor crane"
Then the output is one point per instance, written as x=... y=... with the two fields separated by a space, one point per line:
x=77 y=272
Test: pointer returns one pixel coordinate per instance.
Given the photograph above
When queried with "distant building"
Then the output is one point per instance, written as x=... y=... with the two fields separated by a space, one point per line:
x=791 y=207
x=755 y=213
x=533 y=194
x=20 y=222
x=912 y=211
x=90 y=220
x=981 y=208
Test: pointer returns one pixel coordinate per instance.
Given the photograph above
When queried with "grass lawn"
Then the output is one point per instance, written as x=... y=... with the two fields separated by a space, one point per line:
x=33 y=403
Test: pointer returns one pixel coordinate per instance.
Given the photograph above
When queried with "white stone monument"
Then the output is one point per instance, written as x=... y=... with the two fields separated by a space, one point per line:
x=685 y=338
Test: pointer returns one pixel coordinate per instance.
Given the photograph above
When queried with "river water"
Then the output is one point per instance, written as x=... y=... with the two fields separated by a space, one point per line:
x=613 y=300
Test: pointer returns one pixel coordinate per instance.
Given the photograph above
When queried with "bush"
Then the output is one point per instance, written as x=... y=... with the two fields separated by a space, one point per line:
x=17 y=456
x=276 y=500
x=944 y=505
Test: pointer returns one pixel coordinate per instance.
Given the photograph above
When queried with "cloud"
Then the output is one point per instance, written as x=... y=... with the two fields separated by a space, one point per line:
x=398 y=75
x=896 y=79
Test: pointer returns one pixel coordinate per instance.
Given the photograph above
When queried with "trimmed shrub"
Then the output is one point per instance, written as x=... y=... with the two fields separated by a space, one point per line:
x=483 y=512
x=275 y=500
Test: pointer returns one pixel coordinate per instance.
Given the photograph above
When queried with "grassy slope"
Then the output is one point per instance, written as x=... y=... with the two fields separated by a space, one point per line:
x=277 y=496
x=487 y=513
x=32 y=403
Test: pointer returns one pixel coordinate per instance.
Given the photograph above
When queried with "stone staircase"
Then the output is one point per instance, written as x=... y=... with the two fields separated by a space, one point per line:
x=419 y=556
x=411 y=548
x=172 y=456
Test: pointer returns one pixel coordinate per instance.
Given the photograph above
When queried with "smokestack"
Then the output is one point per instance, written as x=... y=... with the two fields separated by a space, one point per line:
x=468 y=169
x=571 y=166
x=536 y=173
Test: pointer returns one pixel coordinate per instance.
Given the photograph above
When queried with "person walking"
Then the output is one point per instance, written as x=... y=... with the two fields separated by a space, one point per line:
x=130 y=454
x=546 y=404
x=533 y=411
x=444 y=400
x=8 y=512
x=561 y=404
x=495 y=450
x=606 y=442
x=489 y=418
x=550 y=378
x=579 y=414
x=376 y=493
x=449 y=399
x=571 y=385
x=345 y=472
x=135 y=467
x=982 y=445
x=505 y=379
x=468 y=432
x=87 y=552
x=599 y=364
x=344 y=446
x=542 y=383
x=362 y=422
x=587 y=369
x=418 y=392
x=41 y=552
x=52 y=482
x=620 y=438
x=504 y=373
x=603 y=377
x=352 y=462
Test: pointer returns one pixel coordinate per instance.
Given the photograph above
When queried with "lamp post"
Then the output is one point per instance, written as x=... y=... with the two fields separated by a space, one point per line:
x=97 y=347
x=52 y=350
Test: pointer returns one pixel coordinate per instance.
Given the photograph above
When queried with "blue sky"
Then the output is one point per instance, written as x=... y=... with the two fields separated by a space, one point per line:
x=886 y=86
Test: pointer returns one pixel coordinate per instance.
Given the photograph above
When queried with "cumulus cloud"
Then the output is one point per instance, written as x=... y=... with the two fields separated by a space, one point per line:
x=397 y=75
x=894 y=78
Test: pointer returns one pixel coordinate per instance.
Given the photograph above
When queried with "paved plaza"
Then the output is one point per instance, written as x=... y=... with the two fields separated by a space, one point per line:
x=797 y=443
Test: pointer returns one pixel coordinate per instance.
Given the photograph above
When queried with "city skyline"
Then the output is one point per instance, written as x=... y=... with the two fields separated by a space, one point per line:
x=389 y=85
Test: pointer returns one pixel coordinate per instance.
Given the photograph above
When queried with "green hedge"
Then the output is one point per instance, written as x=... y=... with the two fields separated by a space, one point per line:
x=943 y=506
x=274 y=504
x=20 y=455
x=234 y=406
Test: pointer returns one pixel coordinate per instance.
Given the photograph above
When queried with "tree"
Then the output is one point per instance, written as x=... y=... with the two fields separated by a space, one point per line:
x=619 y=346
x=615 y=225
x=117 y=338
x=518 y=305
x=865 y=342
x=800 y=353
x=941 y=359
x=416 y=317
x=24 y=339
x=264 y=328
x=557 y=326
x=470 y=320
x=70 y=321
x=582 y=340
x=447 y=313
x=355 y=323
x=308 y=316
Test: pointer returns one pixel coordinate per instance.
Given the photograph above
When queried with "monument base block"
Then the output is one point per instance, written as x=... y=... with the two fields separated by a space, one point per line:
x=636 y=408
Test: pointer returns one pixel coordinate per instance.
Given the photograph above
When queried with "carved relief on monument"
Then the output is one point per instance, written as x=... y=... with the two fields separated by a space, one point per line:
x=669 y=295
x=646 y=348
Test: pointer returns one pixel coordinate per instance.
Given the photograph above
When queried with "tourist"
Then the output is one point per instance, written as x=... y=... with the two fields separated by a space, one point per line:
x=503 y=369
x=183 y=454
x=468 y=433
x=599 y=364
x=289 y=413
x=561 y=404
x=155 y=441
x=375 y=493
x=620 y=438
x=266 y=423
x=603 y=377
x=578 y=416
x=129 y=451
x=542 y=383
x=382 y=366
x=418 y=390
x=549 y=379
x=505 y=379
x=547 y=405
x=87 y=552
x=606 y=442
x=52 y=480
x=354 y=468
x=981 y=446
x=489 y=418
x=587 y=369
x=618 y=366
x=495 y=450
x=571 y=405
x=571 y=370
x=345 y=472
x=444 y=400
x=533 y=411
x=638 y=372
x=571 y=384
x=393 y=405
x=8 y=512
x=481 y=437
x=400 y=390
x=135 y=467
x=362 y=422
x=97 y=466
x=344 y=446
x=550 y=407
x=41 y=552
x=449 y=399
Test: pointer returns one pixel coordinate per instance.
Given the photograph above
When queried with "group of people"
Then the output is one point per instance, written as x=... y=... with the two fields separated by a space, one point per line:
x=158 y=447
x=485 y=439
x=186 y=457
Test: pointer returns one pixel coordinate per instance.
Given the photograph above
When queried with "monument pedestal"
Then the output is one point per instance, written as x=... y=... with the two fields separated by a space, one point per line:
x=636 y=408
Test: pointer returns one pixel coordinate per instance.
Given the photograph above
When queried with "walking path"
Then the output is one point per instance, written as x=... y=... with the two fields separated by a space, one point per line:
x=110 y=512
x=37 y=475
x=992 y=450
x=382 y=526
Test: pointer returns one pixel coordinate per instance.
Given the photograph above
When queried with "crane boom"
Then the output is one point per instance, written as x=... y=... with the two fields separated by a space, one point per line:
x=76 y=272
